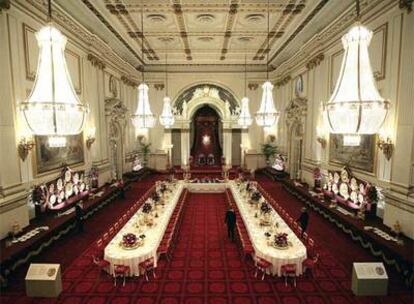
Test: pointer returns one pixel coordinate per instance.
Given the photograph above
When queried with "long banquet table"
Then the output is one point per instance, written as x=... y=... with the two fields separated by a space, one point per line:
x=132 y=257
x=296 y=253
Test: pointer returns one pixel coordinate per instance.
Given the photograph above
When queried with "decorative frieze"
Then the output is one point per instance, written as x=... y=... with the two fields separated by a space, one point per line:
x=253 y=86
x=96 y=62
x=4 y=5
x=406 y=4
x=128 y=81
x=283 y=81
x=159 y=86
x=315 y=61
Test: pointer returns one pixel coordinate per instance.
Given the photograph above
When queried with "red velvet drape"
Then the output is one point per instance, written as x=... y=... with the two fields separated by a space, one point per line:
x=206 y=149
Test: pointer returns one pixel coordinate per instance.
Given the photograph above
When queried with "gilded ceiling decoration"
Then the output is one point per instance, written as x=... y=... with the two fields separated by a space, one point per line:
x=205 y=32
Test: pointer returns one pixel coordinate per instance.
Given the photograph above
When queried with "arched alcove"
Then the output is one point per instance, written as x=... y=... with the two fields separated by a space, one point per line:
x=206 y=137
x=195 y=96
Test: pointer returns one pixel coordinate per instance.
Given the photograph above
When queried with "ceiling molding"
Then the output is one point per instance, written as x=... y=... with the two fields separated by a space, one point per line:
x=229 y=27
x=182 y=28
x=332 y=34
x=308 y=18
x=78 y=34
x=90 y=6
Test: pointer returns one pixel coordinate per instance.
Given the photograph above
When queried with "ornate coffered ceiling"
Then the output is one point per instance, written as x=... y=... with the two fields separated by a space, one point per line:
x=204 y=32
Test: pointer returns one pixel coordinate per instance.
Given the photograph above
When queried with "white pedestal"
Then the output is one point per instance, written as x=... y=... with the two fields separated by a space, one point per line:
x=43 y=280
x=369 y=279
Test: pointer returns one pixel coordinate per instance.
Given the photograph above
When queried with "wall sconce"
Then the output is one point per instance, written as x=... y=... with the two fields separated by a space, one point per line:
x=25 y=146
x=90 y=139
x=322 y=141
x=320 y=138
x=386 y=146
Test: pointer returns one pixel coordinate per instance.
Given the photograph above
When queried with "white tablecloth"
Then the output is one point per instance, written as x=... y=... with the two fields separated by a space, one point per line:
x=132 y=257
x=206 y=187
x=294 y=255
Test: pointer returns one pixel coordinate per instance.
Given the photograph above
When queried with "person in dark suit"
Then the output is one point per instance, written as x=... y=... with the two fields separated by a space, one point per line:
x=303 y=220
x=230 y=220
x=79 y=216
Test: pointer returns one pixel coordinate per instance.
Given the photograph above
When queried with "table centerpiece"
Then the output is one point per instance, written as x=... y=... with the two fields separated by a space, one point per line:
x=265 y=210
x=146 y=209
x=280 y=241
x=131 y=241
x=255 y=198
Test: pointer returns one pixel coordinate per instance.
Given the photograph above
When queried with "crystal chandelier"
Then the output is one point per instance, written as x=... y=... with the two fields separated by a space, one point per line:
x=356 y=107
x=167 y=116
x=267 y=116
x=143 y=117
x=245 y=120
x=53 y=109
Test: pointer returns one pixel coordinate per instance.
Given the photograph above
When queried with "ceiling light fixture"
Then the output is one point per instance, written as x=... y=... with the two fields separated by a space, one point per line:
x=356 y=107
x=245 y=119
x=267 y=116
x=167 y=116
x=143 y=118
x=53 y=109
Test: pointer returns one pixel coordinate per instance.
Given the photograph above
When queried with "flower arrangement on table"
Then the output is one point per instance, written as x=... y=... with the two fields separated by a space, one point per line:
x=281 y=241
x=129 y=241
x=256 y=196
x=155 y=196
x=146 y=208
x=163 y=187
x=265 y=208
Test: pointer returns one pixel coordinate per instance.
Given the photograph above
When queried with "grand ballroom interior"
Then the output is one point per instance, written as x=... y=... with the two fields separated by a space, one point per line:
x=206 y=151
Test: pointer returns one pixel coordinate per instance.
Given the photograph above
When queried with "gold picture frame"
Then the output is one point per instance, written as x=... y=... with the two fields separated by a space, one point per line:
x=361 y=157
x=48 y=159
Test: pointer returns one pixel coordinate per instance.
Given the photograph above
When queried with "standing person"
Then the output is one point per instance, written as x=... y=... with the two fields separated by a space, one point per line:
x=121 y=187
x=303 y=220
x=230 y=220
x=79 y=216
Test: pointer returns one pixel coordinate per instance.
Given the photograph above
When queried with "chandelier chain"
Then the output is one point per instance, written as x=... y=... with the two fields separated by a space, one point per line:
x=268 y=39
x=142 y=40
x=166 y=69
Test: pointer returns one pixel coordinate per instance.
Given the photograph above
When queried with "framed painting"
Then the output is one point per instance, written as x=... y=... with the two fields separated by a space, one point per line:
x=49 y=159
x=360 y=157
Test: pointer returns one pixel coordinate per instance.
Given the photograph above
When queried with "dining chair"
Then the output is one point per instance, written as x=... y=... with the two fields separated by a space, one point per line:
x=105 y=237
x=147 y=266
x=289 y=270
x=164 y=249
x=121 y=271
x=310 y=264
x=262 y=265
x=101 y=263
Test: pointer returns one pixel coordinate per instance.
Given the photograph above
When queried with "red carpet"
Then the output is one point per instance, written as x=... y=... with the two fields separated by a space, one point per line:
x=67 y=249
x=206 y=267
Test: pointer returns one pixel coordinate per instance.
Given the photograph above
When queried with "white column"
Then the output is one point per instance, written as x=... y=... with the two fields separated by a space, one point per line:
x=185 y=146
x=227 y=145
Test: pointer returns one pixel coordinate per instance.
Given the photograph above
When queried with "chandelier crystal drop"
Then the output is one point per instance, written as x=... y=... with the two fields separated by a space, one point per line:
x=53 y=109
x=167 y=116
x=267 y=116
x=143 y=117
x=356 y=107
x=245 y=119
